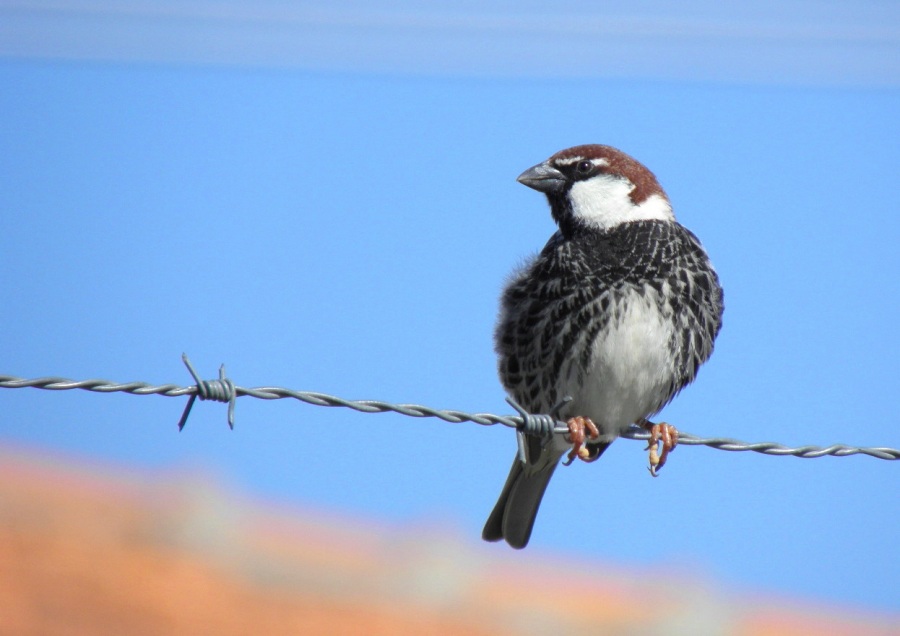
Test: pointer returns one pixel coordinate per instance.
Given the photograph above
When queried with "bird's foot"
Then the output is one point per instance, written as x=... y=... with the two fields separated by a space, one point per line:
x=660 y=434
x=578 y=426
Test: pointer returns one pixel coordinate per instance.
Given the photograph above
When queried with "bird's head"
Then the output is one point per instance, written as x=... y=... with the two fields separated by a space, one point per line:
x=597 y=187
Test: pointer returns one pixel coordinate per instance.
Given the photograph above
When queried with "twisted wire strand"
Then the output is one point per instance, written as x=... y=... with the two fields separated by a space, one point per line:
x=224 y=390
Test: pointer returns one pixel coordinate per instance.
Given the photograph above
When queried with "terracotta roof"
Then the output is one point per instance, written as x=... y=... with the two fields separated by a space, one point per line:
x=87 y=549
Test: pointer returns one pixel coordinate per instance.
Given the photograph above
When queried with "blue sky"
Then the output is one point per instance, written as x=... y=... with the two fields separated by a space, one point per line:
x=347 y=228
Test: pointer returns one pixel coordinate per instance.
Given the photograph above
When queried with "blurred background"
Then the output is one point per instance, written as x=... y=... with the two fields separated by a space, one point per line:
x=323 y=197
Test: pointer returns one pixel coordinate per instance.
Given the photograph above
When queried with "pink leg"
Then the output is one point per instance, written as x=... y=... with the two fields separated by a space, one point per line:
x=577 y=426
x=659 y=433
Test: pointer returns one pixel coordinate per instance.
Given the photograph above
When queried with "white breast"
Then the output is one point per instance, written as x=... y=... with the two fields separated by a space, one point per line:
x=630 y=371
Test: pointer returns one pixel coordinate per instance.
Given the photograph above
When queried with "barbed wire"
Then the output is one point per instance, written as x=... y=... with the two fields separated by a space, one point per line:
x=224 y=390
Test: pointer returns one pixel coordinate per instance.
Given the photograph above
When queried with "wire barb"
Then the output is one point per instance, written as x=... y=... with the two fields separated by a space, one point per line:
x=540 y=425
x=224 y=390
x=533 y=423
x=221 y=390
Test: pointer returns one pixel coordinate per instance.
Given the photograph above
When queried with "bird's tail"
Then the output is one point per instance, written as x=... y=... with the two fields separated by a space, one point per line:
x=513 y=517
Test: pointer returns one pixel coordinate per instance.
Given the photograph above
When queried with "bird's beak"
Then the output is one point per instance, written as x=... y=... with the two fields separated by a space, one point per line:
x=543 y=178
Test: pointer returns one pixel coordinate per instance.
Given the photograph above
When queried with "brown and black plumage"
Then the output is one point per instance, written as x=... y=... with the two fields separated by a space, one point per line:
x=618 y=312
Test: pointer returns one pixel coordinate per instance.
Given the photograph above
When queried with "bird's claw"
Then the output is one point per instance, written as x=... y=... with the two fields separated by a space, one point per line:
x=577 y=427
x=664 y=435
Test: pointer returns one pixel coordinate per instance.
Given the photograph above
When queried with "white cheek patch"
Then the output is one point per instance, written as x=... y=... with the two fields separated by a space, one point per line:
x=603 y=202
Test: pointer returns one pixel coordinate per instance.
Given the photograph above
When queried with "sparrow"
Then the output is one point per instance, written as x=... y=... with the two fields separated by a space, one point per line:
x=616 y=315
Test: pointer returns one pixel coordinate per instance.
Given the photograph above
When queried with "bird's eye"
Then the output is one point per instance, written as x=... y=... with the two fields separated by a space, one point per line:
x=584 y=167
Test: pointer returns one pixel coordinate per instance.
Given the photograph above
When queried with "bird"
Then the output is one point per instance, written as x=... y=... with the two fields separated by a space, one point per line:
x=604 y=327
